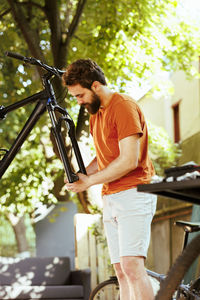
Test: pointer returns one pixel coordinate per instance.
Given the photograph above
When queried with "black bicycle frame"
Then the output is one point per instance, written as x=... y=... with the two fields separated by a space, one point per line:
x=45 y=101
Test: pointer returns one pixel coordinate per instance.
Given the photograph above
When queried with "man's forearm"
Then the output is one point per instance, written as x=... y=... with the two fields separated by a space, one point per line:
x=122 y=165
x=115 y=170
x=92 y=167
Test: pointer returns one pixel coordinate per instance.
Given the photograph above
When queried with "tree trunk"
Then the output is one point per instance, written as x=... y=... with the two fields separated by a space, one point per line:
x=19 y=228
x=82 y=124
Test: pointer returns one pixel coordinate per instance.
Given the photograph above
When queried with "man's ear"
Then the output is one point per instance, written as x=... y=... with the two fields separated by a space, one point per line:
x=95 y=87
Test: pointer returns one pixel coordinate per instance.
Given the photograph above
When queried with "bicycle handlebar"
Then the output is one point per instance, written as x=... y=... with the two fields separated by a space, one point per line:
x=36 y=62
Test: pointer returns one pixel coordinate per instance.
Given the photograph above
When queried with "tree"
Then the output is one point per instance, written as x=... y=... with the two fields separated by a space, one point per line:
x=125 y=37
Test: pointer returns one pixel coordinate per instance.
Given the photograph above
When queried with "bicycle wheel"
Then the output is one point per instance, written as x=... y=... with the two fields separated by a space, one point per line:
x=106 y=290
x=178 y=270
x=109 y=289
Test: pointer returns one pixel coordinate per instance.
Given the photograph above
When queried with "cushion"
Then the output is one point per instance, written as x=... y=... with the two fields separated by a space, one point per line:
x=41 y=292
x=35 y=271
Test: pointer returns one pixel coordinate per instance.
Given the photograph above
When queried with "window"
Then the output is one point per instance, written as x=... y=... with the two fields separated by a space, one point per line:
x=176 y=118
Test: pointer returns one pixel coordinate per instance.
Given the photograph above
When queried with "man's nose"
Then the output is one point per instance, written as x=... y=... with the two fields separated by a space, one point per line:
x=80 y=101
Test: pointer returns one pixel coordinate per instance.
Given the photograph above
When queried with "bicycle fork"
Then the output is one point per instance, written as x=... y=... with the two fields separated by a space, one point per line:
x=52 y=108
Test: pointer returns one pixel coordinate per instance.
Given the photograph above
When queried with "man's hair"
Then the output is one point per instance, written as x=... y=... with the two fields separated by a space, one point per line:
x=83 y=72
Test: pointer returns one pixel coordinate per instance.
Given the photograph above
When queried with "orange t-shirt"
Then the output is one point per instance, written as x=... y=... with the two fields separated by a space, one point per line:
x=121 y=118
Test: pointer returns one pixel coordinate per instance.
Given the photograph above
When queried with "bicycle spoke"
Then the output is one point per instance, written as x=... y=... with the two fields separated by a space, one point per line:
x=107 y=292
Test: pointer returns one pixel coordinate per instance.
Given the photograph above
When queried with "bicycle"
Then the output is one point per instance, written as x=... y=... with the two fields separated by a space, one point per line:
x=45 y=100
x=164 y=286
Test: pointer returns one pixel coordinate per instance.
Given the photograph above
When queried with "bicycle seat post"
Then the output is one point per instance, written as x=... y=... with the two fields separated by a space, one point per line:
x=186 y=235
x=188 y=227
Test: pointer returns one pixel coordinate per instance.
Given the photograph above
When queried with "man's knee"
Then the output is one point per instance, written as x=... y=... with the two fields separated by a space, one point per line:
x=119 y=272
x=133 y=266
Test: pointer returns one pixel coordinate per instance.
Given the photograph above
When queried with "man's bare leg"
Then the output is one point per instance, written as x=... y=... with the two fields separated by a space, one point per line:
x=139 y=284
x=133 y=279
x=123 y=283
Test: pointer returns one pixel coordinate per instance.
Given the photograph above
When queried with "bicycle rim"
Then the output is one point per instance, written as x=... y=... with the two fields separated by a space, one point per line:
x=178 y=270
x=106 y=290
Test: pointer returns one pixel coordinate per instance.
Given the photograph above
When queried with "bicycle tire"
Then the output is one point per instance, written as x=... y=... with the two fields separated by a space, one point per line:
x=100 y=289
x=178 y=270
x=106 y=290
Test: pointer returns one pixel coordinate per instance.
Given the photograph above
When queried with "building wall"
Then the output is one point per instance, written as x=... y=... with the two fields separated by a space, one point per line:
x=55 y=234
x=160 y=113
x=188 y=93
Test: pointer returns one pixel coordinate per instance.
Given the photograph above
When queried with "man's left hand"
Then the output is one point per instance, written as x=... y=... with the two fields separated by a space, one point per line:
x=79 y=186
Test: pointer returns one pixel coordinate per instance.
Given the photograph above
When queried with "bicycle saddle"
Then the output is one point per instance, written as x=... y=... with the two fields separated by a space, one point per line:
x=189 y=226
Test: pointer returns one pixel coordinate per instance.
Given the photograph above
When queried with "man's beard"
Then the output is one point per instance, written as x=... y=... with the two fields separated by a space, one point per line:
x=94 y=106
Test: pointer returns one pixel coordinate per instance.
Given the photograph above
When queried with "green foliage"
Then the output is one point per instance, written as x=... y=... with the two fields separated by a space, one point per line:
x=16 y=81
x=163 y=152
x=98 y=231
x=95 y=209
x=29 y=179
x=125 y=37
x=135 y=38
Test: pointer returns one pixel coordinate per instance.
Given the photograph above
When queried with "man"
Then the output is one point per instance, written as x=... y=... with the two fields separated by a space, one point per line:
x=121 y=163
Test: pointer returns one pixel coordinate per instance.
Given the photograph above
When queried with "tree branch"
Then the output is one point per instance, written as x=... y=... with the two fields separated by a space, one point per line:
x=31 y=3
x=83 y=199
x=59 y=47
x=5 y=13
x=74 y=24
x=30 y=35
x=53 y=15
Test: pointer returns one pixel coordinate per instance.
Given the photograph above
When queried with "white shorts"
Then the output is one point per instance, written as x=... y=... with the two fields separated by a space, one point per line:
x=127 y=218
